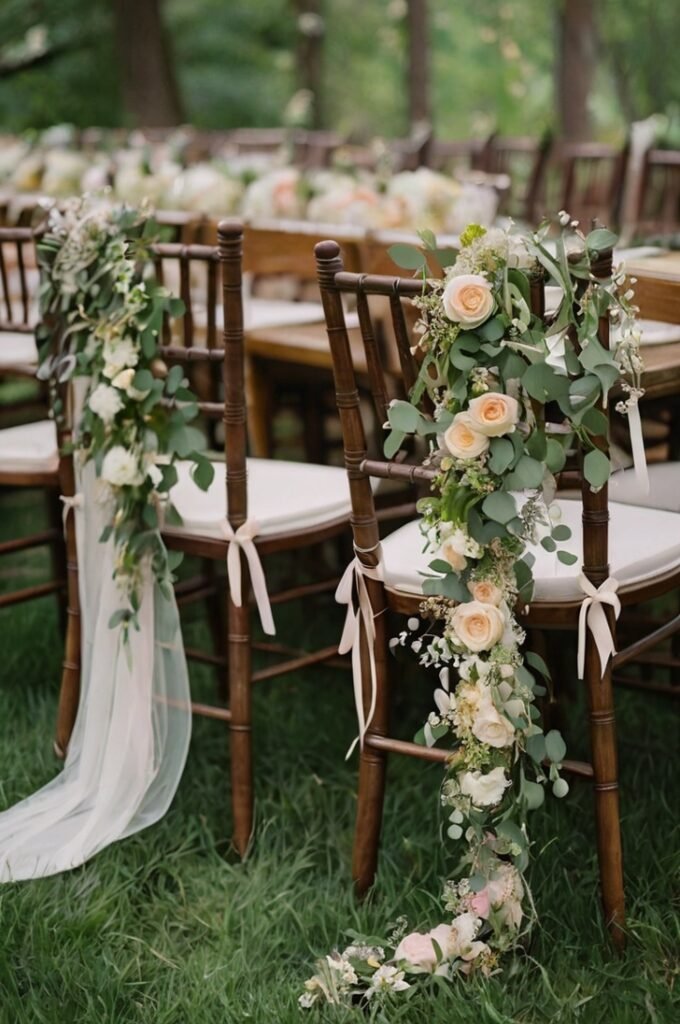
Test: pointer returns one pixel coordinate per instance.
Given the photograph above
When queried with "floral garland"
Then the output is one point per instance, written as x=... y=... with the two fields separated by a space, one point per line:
x=101 y=318
x=489 y=366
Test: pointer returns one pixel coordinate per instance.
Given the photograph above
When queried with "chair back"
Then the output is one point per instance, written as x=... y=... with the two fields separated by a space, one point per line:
x=19 y=279
x=592 y=181
x=334 y=282
x=208 y=274
x=658 y=202
x=524 y=159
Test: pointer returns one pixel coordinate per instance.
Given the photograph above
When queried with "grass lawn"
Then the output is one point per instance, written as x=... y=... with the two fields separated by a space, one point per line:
x=168 y=927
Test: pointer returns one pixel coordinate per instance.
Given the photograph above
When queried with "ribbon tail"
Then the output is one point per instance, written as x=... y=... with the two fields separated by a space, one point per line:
x=582 y=627
x=259 y=588
x=638 y=449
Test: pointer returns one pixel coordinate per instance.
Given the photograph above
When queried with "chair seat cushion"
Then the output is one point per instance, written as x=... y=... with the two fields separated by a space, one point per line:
x=282 y=497
x=664 y=487
x=31 y=447
x=643 y=543
x=17 y=349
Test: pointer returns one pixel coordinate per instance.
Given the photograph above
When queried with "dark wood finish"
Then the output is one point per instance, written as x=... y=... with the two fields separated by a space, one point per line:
x=334 y=281
x=658 y=200
x=204 y=264
x=524 y=159
x=592 y=176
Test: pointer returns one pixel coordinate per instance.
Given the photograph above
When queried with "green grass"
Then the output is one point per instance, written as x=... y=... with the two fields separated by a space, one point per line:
x=169 y=927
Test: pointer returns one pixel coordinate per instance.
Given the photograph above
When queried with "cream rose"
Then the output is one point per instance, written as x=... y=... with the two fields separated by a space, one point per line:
x=463 y=440
x=493 y=414
x=486 y=592
x=121 y=468
x=105 y=402
x=468 y=300
x=450 y=554
x=491 y=727
x=484 y=790
x=478 y=626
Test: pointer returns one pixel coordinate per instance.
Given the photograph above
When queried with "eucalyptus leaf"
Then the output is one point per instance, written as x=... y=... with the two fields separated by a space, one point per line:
x=499 y=506
x=596 y=468
x=555 y=747
x=408 y=257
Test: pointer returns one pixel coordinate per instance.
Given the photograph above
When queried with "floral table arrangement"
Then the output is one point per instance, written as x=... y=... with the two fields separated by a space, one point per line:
x=489 y=367
x=247 y=185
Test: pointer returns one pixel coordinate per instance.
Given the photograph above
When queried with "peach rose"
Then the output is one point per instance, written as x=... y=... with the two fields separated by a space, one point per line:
x=468 y=300
x=486 y=592
x=418 y=950
x=456 y=560
x=493 y=414
x=462 y=440
x=478 y=626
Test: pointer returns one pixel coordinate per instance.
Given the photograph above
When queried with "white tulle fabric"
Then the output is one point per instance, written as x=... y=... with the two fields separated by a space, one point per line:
x=133 y=727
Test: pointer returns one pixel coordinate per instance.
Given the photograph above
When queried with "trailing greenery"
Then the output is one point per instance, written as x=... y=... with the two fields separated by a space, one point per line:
x=168 y=927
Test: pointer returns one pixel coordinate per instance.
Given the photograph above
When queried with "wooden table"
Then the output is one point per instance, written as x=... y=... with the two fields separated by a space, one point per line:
x=657 y=293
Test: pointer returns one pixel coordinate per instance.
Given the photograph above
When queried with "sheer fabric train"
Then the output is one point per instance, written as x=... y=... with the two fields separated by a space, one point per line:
x=132 y=732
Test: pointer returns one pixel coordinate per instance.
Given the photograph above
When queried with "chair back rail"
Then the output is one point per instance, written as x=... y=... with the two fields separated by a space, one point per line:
x=18 y=280
x=334 y=282
x=658 y=201
x=199 y=274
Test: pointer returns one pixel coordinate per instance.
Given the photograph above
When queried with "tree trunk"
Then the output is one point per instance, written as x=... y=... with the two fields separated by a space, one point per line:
x=418 y=64
x=575 y=66
x=309 y=55
x=150 y=94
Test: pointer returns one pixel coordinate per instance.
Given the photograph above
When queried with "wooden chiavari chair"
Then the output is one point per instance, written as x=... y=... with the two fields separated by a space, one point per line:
x=658 y=204
x=295 y=506
x=649 y=568
x=592 y=180
x=524 y=159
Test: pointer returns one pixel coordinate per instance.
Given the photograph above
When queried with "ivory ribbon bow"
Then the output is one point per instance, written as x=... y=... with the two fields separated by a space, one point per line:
x=354 y=577
x=77 y=501
x=593 y=617
x=242 y=540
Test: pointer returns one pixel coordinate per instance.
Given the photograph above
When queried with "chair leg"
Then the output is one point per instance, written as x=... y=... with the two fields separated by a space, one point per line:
x=240 y=725
x=372 y=766
x=606 y=786
x=69 y=693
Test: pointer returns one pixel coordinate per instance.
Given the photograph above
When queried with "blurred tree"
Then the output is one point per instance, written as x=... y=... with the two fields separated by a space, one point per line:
x=147 y=74
x=575 y=65
x=418 y=63
x=309 y=52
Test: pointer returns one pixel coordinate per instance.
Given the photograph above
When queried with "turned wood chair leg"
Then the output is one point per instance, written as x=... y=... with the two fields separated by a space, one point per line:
x=606 y=787
x=240 y=725
x=69 y=693
x=372 y=766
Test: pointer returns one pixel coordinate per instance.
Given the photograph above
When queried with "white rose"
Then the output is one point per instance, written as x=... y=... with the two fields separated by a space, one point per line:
x=492 y=728
x=105 y=402
x=468 y=300
x=463 y=440
x=121 y=468
x=120 y=353
x=506 y=891
x=478 y=626
x=493 y=414
x=484 y=790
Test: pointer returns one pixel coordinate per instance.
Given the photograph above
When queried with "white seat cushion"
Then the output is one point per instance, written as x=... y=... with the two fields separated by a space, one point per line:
x=17 y=349
x=664 y=487
x=643 y=543
x=282 y=496
x=32 y=447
